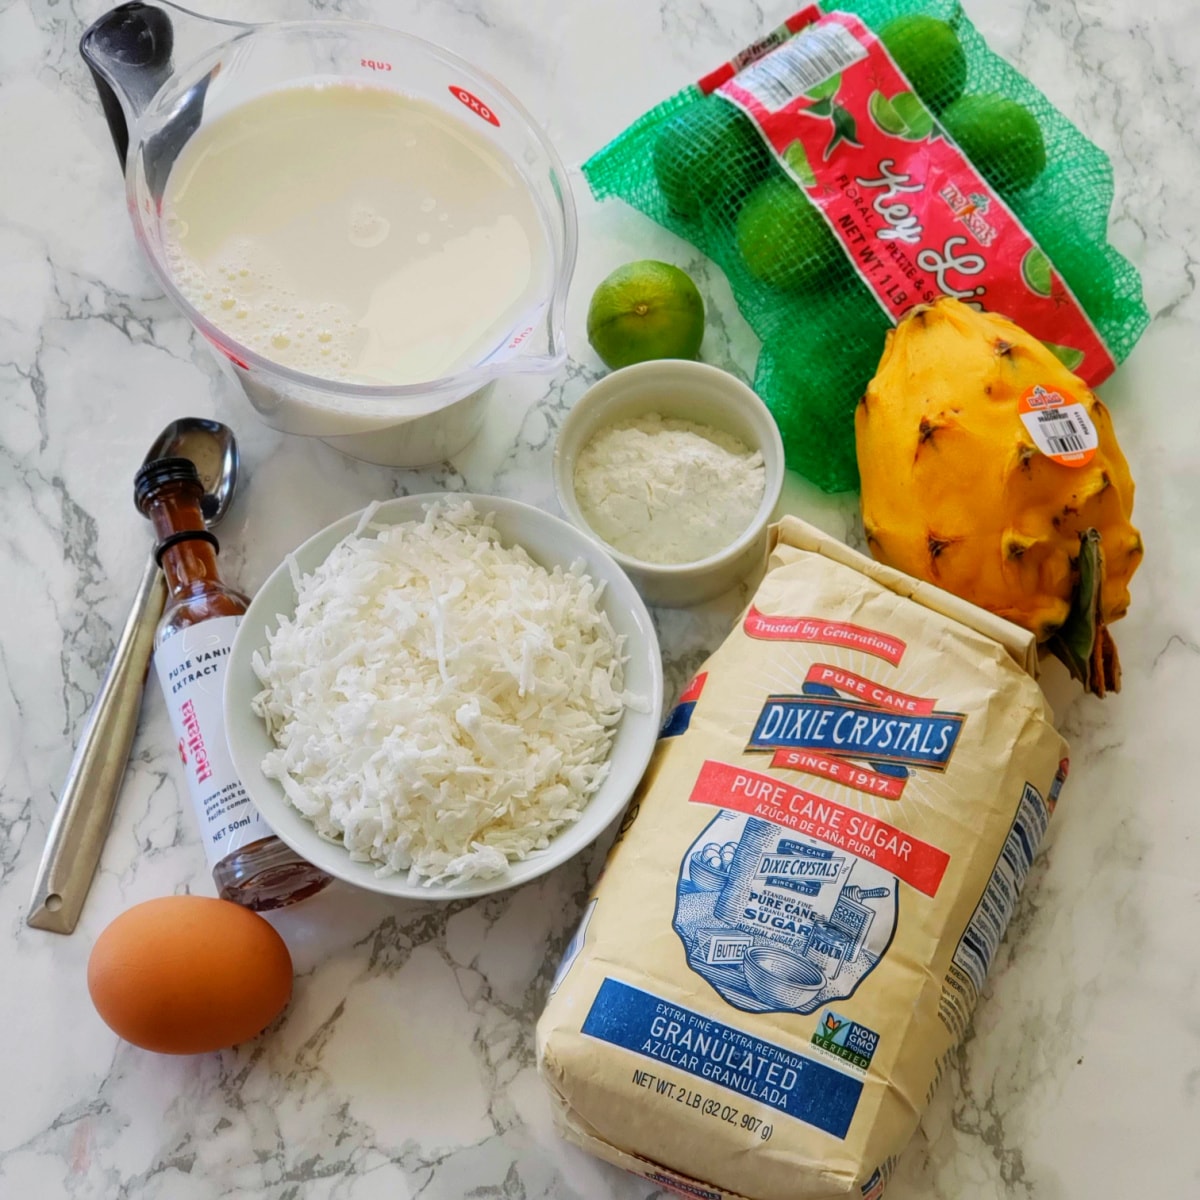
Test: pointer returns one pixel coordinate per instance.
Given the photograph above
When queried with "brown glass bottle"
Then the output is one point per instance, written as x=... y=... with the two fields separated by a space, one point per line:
x=250 y=865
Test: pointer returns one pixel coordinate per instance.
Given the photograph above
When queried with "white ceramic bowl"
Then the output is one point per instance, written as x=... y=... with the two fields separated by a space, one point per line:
x=550 y=541
x=696 y=392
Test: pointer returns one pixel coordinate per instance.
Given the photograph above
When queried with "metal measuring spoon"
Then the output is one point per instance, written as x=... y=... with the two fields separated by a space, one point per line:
x=213 y=448
x=89 y=797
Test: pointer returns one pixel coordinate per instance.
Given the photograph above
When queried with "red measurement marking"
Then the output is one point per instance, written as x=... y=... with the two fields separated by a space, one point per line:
x=229 y=354
x=476 y=105
x=374 y=64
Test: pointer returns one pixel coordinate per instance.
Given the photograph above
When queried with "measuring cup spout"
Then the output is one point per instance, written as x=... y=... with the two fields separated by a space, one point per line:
x=542 y=344
x=133 y=50
x=551 y=352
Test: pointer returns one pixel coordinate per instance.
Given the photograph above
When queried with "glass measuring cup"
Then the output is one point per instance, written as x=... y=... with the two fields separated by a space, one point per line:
x=164 y=72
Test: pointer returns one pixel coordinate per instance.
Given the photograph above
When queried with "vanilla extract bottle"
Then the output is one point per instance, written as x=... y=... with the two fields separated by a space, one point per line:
x=250 y=865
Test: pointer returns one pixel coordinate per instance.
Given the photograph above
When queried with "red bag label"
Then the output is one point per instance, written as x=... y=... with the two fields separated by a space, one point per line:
x=691 y=693
x=917 y=863
x=852 y=729
x=879 y=725
x=764 y=45
x=827 y=633
x=916 y=219
x=848 y=774
x=867 y=689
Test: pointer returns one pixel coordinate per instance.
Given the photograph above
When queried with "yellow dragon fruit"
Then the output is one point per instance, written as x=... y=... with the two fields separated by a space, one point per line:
x=964 y=485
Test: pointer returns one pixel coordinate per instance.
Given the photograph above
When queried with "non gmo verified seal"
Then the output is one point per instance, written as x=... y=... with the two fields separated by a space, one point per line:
x=845 y=1039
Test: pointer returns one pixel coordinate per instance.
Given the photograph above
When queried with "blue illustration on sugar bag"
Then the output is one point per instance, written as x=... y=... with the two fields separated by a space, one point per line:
x=779 y=922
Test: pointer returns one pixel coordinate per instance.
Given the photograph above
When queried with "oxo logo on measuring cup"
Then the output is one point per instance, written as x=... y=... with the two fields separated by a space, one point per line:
x=474 y=103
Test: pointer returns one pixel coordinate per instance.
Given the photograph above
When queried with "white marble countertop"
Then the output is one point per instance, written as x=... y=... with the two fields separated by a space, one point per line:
x=405 y=1063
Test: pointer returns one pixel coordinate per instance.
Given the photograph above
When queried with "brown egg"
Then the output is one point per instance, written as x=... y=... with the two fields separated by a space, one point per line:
x=186 y=975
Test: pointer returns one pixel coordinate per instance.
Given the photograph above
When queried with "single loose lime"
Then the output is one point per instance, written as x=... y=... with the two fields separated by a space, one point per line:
x=645 y=310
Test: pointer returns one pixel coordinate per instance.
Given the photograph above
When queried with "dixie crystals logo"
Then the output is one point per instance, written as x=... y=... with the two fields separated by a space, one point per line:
x=841 y=720
x=854 y=729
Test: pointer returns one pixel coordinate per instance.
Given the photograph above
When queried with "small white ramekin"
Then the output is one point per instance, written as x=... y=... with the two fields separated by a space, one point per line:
x=690 y=391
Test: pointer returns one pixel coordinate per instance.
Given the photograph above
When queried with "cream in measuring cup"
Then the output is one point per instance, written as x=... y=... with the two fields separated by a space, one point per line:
x=353 y=234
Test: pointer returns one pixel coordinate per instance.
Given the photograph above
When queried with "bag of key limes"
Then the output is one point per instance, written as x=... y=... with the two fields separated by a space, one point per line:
x=858 y=161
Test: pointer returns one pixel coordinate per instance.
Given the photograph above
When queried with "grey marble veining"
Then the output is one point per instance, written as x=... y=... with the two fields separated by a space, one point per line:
x=404 y=1065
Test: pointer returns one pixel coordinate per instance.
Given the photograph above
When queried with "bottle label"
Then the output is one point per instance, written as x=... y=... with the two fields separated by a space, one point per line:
x=191 y=667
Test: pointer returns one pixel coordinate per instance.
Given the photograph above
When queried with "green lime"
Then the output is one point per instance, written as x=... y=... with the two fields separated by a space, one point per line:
x=918 y=120
x=708 y=154
x=930 y=55
x=645 y=310
x=1080 y=259
x=796 y=157
x=826 y=90
x=1067 y=355
x=885 y=116
x=1000 y=137
x=783 y=239
x=1035 y=271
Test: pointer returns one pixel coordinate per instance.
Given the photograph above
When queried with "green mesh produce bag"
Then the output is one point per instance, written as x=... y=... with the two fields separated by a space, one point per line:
x=699 y=166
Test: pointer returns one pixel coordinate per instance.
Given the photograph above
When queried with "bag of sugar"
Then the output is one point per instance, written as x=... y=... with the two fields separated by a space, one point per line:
x=799 y=912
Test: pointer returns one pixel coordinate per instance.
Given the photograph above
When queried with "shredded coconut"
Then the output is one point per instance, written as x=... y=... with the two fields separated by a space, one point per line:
x=440 y=703
x=668 y=491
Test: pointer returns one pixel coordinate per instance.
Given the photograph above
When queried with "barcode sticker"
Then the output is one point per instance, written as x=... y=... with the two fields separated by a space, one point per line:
x=810 y=59
x=980 y=940
x=1060 y=427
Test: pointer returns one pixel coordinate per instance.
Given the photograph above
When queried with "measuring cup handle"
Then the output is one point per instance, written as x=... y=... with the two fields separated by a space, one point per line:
x=128 y=51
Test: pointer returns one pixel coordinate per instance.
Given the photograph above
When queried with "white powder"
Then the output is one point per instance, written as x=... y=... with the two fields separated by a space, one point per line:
x=668 y=491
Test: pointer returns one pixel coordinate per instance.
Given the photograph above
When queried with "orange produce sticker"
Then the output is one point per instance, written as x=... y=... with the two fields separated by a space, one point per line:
x=1059 y=425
